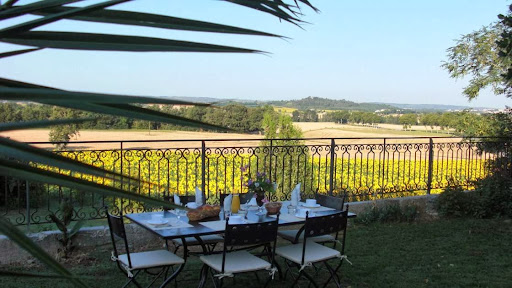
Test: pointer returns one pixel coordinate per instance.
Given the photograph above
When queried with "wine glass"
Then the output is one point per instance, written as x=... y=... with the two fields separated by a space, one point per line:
x=180 y=213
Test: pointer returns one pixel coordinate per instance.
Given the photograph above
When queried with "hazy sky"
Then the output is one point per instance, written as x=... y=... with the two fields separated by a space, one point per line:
x=363 y=51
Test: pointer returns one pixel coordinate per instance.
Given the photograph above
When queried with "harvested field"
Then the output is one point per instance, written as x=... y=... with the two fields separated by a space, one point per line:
x=143 y=139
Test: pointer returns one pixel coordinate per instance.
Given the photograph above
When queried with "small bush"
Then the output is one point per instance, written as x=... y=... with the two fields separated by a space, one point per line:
x=389 y=213
x=495 y=192
x=454 y=202
x=491 y=198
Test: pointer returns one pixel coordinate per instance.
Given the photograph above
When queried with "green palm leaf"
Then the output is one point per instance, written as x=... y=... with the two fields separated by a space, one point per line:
x=35 y=174
x=18 y=52
x=38 y=124
x=28 y=8
x=108 y=42
x=30 y=154
x=54 y=95
x=26 y=26
x=152 y=20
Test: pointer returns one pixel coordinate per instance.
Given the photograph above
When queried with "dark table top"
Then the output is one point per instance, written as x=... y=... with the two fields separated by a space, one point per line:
x=197 y=229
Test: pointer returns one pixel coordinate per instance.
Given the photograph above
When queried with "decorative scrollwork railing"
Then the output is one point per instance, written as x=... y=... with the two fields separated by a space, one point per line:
x=362 y=169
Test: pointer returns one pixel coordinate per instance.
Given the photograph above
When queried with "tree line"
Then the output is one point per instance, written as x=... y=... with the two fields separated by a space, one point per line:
x=240 y=118
x=463 y=122
x=234 y=116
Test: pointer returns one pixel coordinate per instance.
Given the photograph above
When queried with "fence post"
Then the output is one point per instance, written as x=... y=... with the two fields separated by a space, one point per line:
x=331 y=172
x=27 y=191
x=203 y=170
x=430 y=165
x=122 y=178
x=384 y=165
x=270 y=157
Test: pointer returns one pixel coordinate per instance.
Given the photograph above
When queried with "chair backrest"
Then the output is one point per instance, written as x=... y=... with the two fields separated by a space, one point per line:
x=244 y=197
x=116 y=226
x=321 y=225
x=330 y=201
x=264 y=233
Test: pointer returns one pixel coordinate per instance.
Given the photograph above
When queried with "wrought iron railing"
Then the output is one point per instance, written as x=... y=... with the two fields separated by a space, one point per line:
x=360 y=168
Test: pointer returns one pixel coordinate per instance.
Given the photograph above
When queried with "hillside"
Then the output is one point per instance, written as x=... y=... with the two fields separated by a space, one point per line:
x=318 y=103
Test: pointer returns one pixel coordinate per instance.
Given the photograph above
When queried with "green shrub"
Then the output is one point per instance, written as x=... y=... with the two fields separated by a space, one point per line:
x=492 y=197
x=495 y=193
x=454 y=202
x=388 y=213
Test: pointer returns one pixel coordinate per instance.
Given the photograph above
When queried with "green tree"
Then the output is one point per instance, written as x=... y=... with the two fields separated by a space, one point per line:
x=285 y=149
x=407 y=120
x=63 y=133
x=505 y=53
x=476 y=54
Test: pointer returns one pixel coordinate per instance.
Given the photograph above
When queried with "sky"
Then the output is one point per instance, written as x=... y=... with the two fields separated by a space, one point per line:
x=363 y=51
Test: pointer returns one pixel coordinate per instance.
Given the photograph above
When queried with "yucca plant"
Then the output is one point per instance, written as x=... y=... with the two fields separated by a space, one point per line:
x=26 y=158
x=63 y=224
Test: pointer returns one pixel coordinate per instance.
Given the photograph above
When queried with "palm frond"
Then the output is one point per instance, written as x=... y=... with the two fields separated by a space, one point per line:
x=153 y=20
x=10 y=126
x=24 y=171
x=28 y=8
x=7 y=92
x=18 y=52
x=26 y=26
x=109 y=42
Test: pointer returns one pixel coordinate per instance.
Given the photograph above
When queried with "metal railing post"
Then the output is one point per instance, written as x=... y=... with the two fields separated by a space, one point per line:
x=203 y=170
x=27 y=191
x=430 y=165
x=384 y=165
x=270 y=161
x=122 y=177
x=331 y=172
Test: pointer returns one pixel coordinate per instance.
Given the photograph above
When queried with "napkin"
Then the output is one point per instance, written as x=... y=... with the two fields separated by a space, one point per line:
x=177 y=200
x=199 y=197
x=252 y=202
x=295 y=195
x=227 y=202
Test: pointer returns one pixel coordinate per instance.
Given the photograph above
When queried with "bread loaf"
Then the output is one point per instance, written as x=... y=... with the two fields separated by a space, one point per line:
x=202 y=212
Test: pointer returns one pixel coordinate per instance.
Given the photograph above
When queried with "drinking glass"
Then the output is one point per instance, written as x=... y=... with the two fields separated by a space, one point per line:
x=180 y=213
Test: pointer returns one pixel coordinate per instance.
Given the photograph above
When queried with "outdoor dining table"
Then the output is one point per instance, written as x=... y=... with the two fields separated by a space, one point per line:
x=184 y=228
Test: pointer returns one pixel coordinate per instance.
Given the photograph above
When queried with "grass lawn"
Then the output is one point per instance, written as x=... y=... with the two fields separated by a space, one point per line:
x=445 y=253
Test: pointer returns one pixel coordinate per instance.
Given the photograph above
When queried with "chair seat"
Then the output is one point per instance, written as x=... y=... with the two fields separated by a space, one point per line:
x=314 y=252
x=290 y=236
x=207 y=239
x=151 y=259
x=236 y=262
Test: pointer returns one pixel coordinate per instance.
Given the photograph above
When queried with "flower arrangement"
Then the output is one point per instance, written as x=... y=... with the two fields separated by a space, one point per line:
x=259 y=185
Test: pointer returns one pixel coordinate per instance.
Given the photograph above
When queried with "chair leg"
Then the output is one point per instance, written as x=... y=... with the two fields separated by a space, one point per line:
x=130 y=280
x=174 y=275
x=334 y=274
x=204 y=275
x=311 y=279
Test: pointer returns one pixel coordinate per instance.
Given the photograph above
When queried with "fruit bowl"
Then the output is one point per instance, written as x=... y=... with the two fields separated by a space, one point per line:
x=273 y=207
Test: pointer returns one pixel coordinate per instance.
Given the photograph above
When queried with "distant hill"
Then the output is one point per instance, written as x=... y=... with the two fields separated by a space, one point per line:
x=318 y=103
x=432 y=107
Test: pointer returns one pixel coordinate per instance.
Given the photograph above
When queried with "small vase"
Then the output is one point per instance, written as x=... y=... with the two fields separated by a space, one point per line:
x=259 y=198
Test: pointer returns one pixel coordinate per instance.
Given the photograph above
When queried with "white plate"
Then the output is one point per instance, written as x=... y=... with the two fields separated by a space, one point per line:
x=157 y=222
x=300 y=216
x=310 y=206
